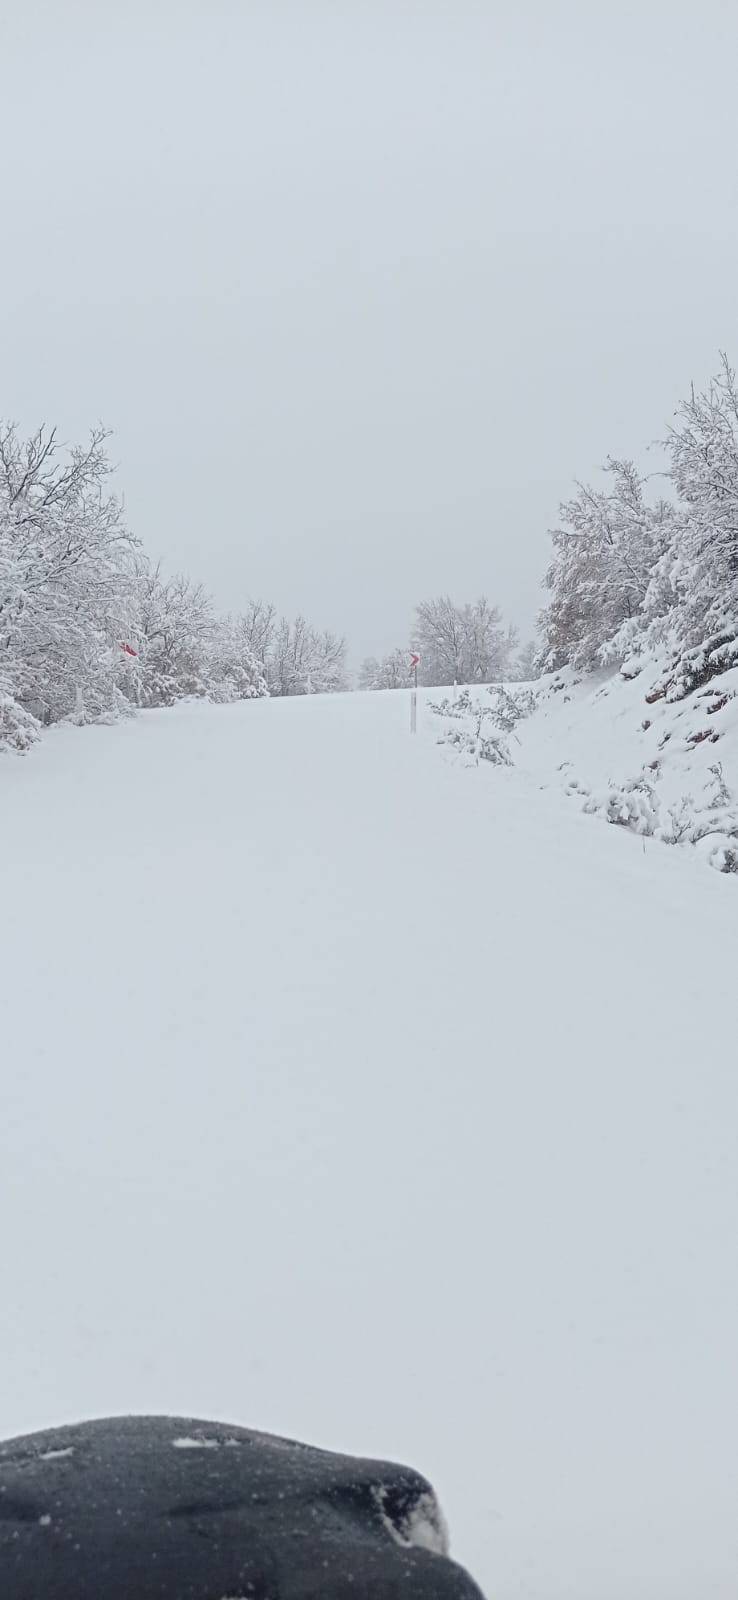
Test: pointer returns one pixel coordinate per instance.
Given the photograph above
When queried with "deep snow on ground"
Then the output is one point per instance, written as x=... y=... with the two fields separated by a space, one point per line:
x=351 y=1093
x=663 y=767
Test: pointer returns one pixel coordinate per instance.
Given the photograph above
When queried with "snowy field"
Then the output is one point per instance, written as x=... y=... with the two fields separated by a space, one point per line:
x=356 y=1094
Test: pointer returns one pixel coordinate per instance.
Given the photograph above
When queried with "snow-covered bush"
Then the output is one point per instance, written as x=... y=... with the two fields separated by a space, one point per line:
x=632 y=804
x=485 y=719
x=476 y=745
x=18 y=728
x=636 y=804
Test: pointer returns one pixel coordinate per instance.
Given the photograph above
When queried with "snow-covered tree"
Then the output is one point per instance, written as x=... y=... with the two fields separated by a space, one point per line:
x=175 y=633
x=233 y=672
x=692 y=601
x=605 y=549
x=301 y=660
x=67 y=578
x=184 y=648
x=628 y=576
x=461 y=644
x=438 y=638
x=368 y=673
x=259 y=623
x=525 y=666
x=392 y=672
x=89 y=629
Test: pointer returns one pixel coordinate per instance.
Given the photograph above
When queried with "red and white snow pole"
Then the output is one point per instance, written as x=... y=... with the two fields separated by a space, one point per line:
x=414 y=664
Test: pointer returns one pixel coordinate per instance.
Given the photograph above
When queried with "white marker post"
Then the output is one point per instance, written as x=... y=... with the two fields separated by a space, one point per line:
x=414 y=663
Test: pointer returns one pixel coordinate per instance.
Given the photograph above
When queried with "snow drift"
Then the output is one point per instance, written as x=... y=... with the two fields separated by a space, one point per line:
x=620 y=745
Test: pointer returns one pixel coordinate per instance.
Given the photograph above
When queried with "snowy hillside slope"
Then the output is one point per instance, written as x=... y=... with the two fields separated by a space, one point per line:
x=352 y=1097
x=666 y=769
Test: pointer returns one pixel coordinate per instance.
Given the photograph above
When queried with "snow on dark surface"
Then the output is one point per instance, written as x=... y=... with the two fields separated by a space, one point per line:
x=116 y=1508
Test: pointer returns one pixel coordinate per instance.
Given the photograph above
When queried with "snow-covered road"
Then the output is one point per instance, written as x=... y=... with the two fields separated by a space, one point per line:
x=356 y=1095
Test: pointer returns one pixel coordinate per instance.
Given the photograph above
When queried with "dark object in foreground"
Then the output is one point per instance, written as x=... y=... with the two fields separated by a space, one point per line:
x=160 y=1508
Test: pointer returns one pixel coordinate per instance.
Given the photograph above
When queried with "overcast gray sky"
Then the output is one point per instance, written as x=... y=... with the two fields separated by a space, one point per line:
x=361 y=286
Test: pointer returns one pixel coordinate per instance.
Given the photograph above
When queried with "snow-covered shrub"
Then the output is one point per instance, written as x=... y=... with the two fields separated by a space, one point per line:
x=510 y=709
x=723 y=855
x=486 y=722
x=633 y=805
x=499 y=707
x=18 y=728
x=691 y=669
x=636 y=804
x=477 y=746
